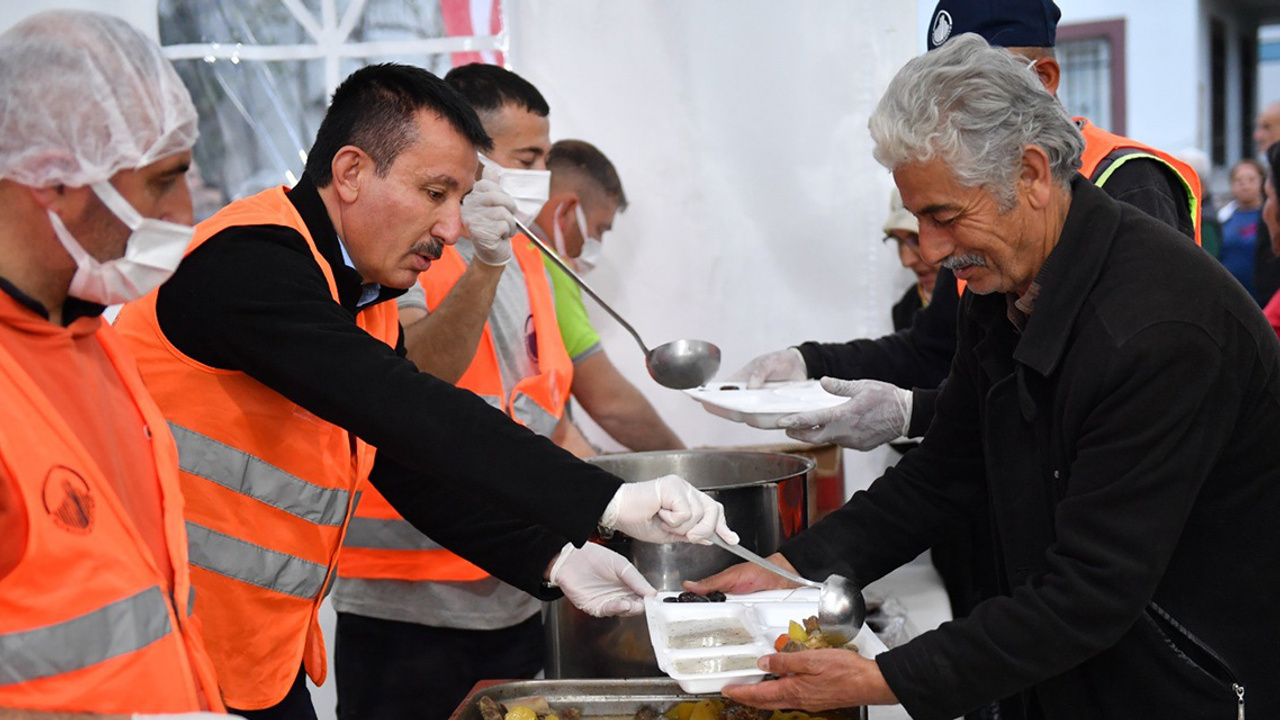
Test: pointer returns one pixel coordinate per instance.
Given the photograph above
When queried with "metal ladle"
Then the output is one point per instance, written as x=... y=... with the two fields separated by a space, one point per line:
x=680 y=364
x=841 y=607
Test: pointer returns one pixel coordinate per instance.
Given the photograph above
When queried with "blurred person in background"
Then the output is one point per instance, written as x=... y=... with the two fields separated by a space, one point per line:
x=1240 y=221
x=902 y=228
x=95 y=589
x=1271 y=218
x=1266 y=128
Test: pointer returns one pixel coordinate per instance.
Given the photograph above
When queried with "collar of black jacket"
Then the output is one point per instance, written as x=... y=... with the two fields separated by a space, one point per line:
x=1065 y=279
x=306 y=200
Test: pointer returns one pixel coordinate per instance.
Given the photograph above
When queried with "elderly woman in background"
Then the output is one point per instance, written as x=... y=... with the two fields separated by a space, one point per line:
x=1271 y=216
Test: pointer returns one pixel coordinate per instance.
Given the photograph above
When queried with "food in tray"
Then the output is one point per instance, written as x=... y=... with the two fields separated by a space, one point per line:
x=808 y=636
x=718 y=664
x=722 y=709
x=712 y=632
x=693 y=597
x=528 y=709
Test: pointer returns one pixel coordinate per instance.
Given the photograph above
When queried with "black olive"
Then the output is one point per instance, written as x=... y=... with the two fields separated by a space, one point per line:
x=715 y=596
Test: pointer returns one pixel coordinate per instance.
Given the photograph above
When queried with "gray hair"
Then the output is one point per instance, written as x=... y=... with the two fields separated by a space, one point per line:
x=974 y=107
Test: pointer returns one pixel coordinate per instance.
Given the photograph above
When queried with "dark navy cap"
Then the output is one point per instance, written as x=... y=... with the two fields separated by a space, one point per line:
x=1003 y=23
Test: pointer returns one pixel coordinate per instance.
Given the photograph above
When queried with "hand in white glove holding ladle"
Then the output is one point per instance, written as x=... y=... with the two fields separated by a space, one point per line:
x=601 y=582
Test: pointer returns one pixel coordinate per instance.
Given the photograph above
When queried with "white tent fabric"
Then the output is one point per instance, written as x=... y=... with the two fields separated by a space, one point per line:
x=739 y=130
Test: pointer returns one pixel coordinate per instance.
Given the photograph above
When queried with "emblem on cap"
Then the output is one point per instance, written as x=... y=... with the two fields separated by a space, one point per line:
x=67 y=500
x=941 y=28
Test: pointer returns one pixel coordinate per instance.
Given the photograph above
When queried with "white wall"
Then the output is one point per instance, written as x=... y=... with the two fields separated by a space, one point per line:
x=739 y=131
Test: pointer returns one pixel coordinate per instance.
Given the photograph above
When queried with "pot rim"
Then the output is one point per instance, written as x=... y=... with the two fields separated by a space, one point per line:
x=806 y=464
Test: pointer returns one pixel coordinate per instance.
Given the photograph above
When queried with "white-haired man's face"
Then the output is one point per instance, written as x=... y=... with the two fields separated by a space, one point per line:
x=965 y=229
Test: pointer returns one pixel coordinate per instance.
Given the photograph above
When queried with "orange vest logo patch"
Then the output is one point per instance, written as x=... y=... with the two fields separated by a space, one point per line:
x=68 y=501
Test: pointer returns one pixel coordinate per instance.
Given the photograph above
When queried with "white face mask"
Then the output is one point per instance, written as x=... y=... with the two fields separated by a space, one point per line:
x=589 y=256
x=152 y=253
x=529 y=188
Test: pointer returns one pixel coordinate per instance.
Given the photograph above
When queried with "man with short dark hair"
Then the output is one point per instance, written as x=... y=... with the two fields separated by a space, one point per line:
x=1120 y=433
x=418 y=626
x=277 y=361
x=586 y=196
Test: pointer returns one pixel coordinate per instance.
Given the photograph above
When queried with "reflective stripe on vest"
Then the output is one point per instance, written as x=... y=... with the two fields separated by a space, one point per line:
x=376 y=534
x=533 y=416
x=1193 y=202
x=267 y=482
x=124 y=626
x=253 y=477
x=1099 y=145
x=254 y=564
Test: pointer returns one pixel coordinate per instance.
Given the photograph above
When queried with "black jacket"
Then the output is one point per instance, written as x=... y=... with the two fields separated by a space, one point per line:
x=1125 y=447
x=253 y=299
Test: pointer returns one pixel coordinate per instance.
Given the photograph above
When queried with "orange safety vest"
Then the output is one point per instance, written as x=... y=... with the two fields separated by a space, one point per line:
x=269 y=487
x=382 y=545
x=1099 y=145
x=86 y=623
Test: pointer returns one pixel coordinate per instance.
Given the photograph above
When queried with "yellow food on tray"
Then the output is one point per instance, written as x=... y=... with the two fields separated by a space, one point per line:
x=805 y=637
x=720 y=709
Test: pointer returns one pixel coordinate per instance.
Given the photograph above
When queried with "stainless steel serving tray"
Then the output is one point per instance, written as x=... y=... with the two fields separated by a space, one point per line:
x=598 y=699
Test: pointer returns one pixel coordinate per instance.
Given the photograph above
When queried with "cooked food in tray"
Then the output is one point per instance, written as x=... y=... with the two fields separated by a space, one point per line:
x=807 y=636
x=705 y=709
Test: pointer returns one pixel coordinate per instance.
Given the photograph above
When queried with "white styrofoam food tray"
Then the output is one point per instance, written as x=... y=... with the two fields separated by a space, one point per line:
x=764 y=406
x=705 y=646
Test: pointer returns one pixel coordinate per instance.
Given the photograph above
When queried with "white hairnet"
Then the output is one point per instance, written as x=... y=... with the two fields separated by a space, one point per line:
x=83 y=96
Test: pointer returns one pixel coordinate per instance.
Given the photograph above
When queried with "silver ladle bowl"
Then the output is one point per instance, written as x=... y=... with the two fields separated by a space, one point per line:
x=681 y=364
x=841 y=607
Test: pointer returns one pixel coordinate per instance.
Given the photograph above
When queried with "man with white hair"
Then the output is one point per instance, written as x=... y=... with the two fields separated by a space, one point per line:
x=1120 y=433
x=95 y=593
x=1147 y=178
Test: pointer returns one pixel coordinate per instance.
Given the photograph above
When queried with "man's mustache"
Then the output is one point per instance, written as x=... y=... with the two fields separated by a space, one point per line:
x=431 y=249
x=958 y=262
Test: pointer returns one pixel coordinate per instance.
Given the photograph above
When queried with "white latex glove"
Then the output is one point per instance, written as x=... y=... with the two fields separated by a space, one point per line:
x=489 y=214
x=876 y=413
x=187 y=716
x=782 y=365
x=599 y=581
x=666 y=510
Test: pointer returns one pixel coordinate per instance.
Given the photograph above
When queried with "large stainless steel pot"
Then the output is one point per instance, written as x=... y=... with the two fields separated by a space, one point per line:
x=764 y=501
